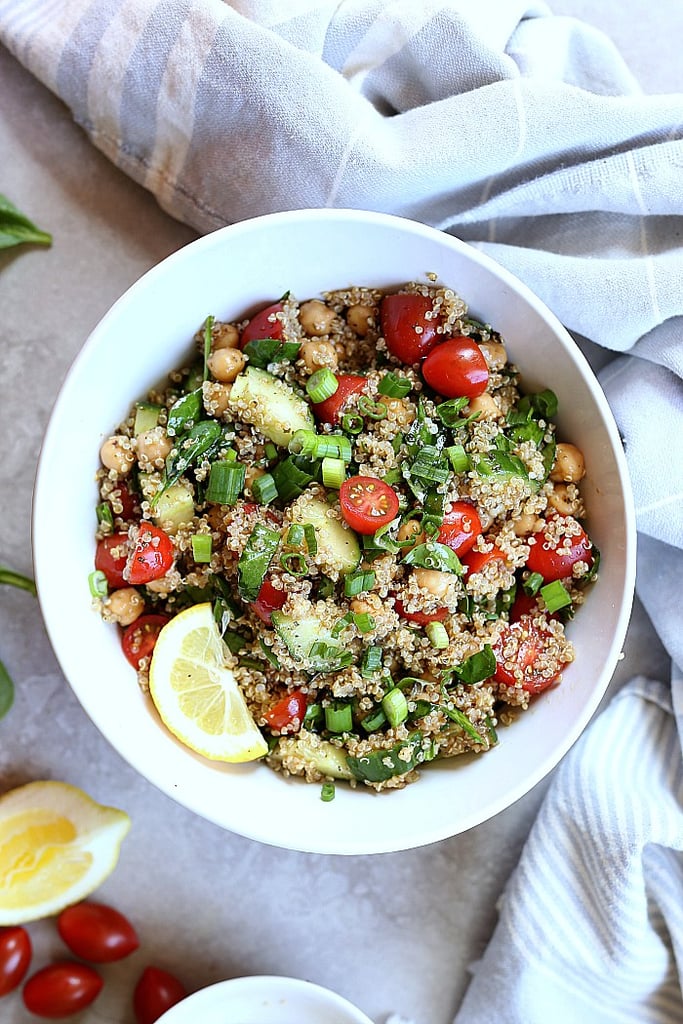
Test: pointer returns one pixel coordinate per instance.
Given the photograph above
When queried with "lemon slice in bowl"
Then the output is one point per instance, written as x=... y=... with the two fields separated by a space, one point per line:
x=196 y=693
x=57 y=845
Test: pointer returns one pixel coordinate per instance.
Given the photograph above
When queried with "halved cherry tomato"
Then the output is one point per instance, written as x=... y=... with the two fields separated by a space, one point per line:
x=524 y=643
x=15 y=957
x=129 y=500
x=139 y=639
x=152 y=555
x=552 y=559
x=407 y=330
x=287 y=715
x=111 y=557
x=330 y=411
x=456 y=368
x=155 y=993
x=460 y=528
x=474 y=561
x=420 y=618
x=97 y=932
x=268 y=600
x=367 y=503
x=264 y=324
x=61 y=989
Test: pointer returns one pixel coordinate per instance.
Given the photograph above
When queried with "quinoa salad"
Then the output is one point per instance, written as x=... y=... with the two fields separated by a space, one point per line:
x=387 y=528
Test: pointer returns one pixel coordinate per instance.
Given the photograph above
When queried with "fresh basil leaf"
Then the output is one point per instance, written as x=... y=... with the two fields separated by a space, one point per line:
x=254 y=561
x=6 y=691
x=17 y=229
x=184 y=413
x=478 y=667
x=381 y=765
x=449 y=412
x=433 y=555
x=263 y=351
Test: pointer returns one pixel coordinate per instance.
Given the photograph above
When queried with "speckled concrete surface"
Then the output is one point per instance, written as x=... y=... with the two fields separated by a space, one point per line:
x=394 y=932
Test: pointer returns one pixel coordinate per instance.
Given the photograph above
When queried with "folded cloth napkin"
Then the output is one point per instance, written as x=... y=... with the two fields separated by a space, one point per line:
x=524 y=134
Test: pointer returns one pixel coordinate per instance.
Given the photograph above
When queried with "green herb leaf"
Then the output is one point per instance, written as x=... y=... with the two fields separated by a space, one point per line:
x=17 y=229
x=254 y=561
x=15 y=579
x=478 y=667
x=263 y=351
x=184 y=413
x=201 y=440
x=381 y=765
x=433 y=555
x=6 y=691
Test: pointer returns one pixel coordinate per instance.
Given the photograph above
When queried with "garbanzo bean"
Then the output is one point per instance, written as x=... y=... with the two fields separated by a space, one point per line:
x=317 y=354
x=411 y=530
x=525 y=524
x=125 y=605
x=224 y=336
x=117 y=453
x=216 y=397
x=153 y=446
x=315 y=317
x=360 y=319
x=494 y=353
x=436 y=582
x=564 y=498
x=569 y=464
x=398 y=410
x=486 y=405
x=368 y=603
x=226 y=363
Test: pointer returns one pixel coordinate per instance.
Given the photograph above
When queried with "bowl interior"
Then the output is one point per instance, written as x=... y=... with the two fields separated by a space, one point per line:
x=147 y=333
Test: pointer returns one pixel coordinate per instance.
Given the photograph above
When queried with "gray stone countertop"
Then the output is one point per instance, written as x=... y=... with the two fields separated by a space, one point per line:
x=394 y=932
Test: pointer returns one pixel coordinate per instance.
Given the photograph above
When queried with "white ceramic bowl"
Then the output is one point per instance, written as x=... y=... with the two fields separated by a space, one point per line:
x=148 y=332
x=264 y=1000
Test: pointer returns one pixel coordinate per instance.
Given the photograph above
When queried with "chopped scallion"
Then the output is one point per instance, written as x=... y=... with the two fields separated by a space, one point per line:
x=374 y=721
x=327 y=792
x=333 y=472
x=358 y=582
x=310 y=538
x=395 y=707
x=270 y=451
x=373 y=410
x=310 y=445
x=533 y=584
x=372 y=661
x=295 y=535
x=294 y=563
x=263 y=489
x=97 y=582
x=437 y=635
x=339 y=717
x=321 y=385
x=364 y=622
x=226 y=482
x=555 y=596
x=352 y=423
x=201 y=547
x=105 y=516
x=459 y=459
x=394 y=386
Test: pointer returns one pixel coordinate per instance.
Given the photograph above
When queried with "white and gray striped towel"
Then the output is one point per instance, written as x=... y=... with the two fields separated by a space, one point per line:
x=525 y=134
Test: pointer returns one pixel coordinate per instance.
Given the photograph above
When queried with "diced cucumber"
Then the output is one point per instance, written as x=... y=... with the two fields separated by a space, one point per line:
x=338 y=547
x=174 y=507
x=146 y=417
x=304 y=639
x=270 y=405
x=322 y=755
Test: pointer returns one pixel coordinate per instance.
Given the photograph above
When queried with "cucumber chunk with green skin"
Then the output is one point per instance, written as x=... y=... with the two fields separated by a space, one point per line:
x=270 y=405
x=174 y=507
x=325 y=757
x=310 y=643
x=146 y=417
x=338 y=547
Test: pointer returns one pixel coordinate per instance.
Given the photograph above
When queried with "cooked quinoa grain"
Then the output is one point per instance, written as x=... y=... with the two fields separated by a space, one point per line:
x=391 y=562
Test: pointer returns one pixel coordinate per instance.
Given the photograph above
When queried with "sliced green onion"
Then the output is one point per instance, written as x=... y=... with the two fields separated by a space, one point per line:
x=263 y=489
x=201 y=547
x=319 y=446
x=97 y=582
x=533 y=584
x=395 y=707
x=292 y=476
x=321 y=385
x=364 y=622
x=303 y=443
x=341 y=624
x=270 y=451
x=372 y=661
x=339 y=717
x=105 y=516
x=358 y=582
x=6 y=691
x=295 y=535
x=294 y=563
x=458 y=458
x=555 y=596
x=226 y=482
x=254 y=561
x=374 y=721
x=394 y=386
x=313 y=717
x=334 y=473
x=352 y=423
x=327 y=792
x=437 y=635
x=373 y=410
x=310 y=538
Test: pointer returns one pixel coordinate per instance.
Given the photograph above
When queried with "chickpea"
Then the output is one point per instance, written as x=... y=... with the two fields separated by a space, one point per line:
x=125 y=605
x=163 y=586
x=153 y=446
x=494 y=353
x=216 y=397
x=411 y=530
x=224 y=336
x=226 y=363
x=315 y=317
x=398 y=410
x=317 y=354
x=525 y=524
x=486 y=405
x=564 y=498
x=367 y=604
x=116 y=453
x=569 y=464
x=360 y=319
x=436 y=582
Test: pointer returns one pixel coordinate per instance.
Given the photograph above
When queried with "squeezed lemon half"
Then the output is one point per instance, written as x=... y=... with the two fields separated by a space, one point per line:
x=196 y=693
x=57 y=845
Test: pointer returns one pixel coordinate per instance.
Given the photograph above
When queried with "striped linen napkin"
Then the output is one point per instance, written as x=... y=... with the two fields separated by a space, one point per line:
x=524 y=134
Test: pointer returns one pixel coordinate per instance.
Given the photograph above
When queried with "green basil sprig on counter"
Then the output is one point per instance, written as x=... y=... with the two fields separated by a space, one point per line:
x=17 y=229
x=12 y=579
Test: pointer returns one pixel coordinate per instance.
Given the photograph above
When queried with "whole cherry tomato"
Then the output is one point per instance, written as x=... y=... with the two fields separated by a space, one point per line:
x=139 y=639
x=97 y=932
x=367 y=503
x=331 y=410
x=408 y=327
x=474 y=561
x=61 y=989
x=268 y=600
x=155 y=993
x=554 y=557
x=287 y=715
x=111 y=557
x=519 y=649
x=15 y=957
x=456 y=368
x=460 y=527
x=264 y=324
x=152 y=555
x=420 y=618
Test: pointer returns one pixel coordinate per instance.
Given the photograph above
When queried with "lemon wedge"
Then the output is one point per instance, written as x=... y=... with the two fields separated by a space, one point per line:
x=197 y=695
x=57 y=845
